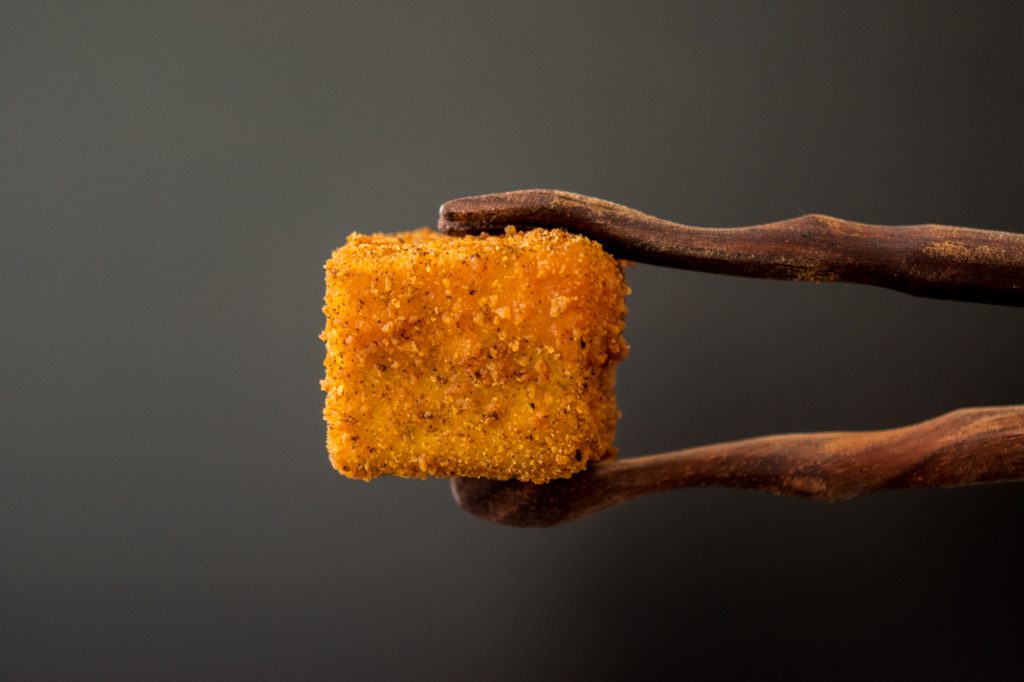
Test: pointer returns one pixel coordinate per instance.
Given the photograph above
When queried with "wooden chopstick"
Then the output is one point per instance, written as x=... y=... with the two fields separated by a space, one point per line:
x=964 y=447
x=936 y=261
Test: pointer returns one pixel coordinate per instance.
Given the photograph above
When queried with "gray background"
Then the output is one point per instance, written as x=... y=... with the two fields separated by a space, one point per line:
x=172 y=177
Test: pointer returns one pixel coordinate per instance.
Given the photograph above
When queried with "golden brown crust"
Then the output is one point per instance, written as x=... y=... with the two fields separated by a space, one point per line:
x=474 y=356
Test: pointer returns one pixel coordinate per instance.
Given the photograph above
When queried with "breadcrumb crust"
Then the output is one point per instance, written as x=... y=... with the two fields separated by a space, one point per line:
x=487 y=356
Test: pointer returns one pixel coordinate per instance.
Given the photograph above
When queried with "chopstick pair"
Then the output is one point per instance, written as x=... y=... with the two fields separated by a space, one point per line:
x=967 y=446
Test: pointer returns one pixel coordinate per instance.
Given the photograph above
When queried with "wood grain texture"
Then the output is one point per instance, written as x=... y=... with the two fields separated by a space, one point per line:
x=936 y=261
x=965 y=447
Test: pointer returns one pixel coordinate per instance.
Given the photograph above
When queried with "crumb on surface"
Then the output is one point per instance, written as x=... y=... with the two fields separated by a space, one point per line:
x=487 y=356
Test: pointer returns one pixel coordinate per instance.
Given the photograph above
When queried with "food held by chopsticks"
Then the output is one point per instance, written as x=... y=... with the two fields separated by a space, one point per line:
x=493 y=357
x=487 y=356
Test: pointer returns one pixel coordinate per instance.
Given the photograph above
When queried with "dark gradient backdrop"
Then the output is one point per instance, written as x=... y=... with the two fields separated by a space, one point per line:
x=172 y=177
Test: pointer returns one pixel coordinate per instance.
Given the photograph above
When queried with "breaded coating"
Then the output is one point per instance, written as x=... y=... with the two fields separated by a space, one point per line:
x=489 y=356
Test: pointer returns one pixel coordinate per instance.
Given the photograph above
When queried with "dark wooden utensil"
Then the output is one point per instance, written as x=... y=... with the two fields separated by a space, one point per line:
x=968 y=446
x=936 y=261
x=978 y=445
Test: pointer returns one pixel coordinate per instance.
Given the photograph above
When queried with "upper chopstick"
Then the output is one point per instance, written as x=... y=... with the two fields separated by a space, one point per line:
x=935 y=261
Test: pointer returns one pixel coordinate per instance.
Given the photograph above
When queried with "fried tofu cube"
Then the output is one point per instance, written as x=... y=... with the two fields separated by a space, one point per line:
x=487 y=356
